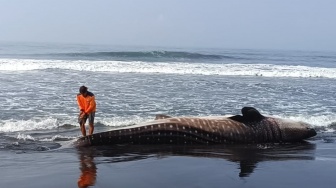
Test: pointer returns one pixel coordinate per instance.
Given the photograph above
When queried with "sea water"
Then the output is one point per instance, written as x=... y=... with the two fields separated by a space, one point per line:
x=39 y=84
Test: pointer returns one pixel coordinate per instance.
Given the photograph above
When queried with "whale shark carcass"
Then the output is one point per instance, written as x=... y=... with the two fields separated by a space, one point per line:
x=250 y=127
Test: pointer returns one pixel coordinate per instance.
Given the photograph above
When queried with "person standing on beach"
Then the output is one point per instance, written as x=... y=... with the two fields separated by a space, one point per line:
x=87 y=106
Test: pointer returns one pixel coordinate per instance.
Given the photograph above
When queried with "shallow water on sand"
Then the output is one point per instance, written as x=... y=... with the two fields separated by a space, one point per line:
x=308 y=164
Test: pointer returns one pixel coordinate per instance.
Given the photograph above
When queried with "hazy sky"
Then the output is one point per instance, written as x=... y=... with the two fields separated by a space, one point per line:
x=261 y=24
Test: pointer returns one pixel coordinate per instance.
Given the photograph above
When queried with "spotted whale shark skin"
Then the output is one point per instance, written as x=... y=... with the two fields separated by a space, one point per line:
x=204 y=130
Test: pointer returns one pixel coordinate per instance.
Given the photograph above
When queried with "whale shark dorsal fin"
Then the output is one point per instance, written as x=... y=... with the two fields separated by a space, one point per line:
x=161 y=116
x=250 y=114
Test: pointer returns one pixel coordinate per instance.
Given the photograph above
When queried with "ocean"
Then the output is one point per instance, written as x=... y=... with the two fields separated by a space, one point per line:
x=38 y=114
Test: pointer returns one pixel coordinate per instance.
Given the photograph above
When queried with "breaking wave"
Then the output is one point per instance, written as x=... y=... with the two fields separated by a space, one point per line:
x=223 y=69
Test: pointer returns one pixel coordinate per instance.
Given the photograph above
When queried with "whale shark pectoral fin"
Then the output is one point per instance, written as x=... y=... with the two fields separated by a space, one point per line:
x=161 y=116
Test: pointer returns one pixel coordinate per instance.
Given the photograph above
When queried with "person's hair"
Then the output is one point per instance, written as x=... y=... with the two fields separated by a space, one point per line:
x=83 y=89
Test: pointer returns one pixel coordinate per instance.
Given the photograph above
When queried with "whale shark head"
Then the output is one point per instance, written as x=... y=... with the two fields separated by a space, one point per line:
x=292 y=131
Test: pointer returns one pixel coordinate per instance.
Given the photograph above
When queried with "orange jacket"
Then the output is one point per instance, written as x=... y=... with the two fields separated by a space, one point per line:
x=86 y=104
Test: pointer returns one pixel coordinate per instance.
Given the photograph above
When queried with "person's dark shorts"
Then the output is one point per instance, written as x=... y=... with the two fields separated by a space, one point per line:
x=91 y=117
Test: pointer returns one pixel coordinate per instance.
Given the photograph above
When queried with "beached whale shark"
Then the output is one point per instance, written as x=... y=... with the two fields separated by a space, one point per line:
x=250 y=127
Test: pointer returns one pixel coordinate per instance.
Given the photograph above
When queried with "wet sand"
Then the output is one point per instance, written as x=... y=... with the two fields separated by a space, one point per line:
x=309 y=164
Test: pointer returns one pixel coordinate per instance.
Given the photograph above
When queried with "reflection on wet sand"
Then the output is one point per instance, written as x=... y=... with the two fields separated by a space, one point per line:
x=247 y=157
x=87 y=167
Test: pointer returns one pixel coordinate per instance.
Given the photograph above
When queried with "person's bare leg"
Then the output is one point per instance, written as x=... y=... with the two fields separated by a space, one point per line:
x=91 y=128
x=83 y=129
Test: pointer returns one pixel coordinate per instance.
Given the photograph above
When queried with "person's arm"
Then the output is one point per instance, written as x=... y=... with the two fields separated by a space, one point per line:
x=80 y=105
x=91 y=106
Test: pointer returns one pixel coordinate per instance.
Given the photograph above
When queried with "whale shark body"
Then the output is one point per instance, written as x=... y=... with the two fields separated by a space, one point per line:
x=251 y=127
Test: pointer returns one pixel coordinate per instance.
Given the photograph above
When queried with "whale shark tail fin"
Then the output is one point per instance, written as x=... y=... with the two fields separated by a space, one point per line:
x=250 y=114
x=161 y=116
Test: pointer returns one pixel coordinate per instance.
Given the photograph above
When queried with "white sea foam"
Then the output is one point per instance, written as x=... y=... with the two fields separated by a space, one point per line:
x=57 y=137
x=25 y=137
x=52 y=123
x=267 y=70
x=326 y=158
x=318 y=121
x=25 y=125
x=122 y=121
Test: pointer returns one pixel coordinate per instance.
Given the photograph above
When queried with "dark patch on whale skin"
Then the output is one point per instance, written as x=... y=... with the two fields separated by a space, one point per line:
x=251 y=127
